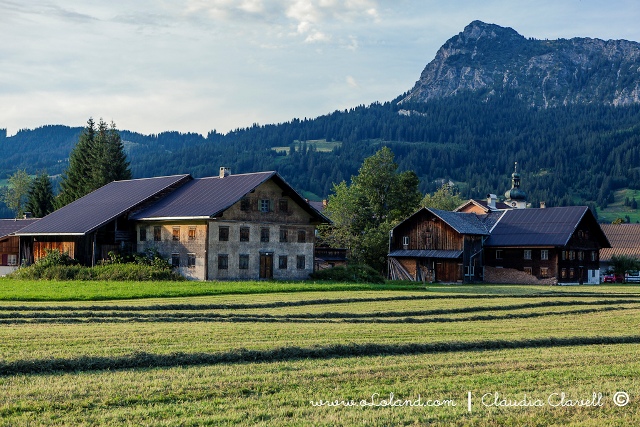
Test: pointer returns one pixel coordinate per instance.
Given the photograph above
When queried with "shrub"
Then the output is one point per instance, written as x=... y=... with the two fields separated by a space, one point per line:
x=60 y=266
x=358 y=273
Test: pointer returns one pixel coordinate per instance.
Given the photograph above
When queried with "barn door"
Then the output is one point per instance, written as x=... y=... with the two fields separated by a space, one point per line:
x=266 y=266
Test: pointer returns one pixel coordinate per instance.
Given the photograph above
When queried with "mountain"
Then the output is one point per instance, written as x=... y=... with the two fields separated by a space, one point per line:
x=488 y=59
x=566 y=110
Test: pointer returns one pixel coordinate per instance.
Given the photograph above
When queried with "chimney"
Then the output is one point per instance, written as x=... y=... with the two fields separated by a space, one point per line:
x=324 y=203
x=224 y=172
x=543 y=205
x=491 y=200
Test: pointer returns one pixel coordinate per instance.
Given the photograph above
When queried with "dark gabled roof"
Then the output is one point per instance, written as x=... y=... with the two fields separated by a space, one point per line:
x=11 y=226
x=463 y=223
x=101 y=206
x=426 y=254
x=624 y=239
x=540 y=227
x=209 y=197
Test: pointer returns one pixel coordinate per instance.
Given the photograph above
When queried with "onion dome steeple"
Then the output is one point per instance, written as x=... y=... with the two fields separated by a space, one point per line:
x=516 y=198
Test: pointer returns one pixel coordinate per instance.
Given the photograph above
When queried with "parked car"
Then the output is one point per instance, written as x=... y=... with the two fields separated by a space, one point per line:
x=633 y=277
x=613 y=278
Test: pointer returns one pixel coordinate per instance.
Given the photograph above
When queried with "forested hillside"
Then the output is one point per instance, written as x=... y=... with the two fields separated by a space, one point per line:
x=567 y=111
x=568 y=155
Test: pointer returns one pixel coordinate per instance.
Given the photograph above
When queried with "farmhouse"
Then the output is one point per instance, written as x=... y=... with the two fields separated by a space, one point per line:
x=10 y=256
x=245 y=226
x=549 y=245
x=534 y=246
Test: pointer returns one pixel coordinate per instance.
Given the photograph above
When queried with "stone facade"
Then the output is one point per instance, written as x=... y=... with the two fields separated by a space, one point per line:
x=183 y=244
x=266 y=235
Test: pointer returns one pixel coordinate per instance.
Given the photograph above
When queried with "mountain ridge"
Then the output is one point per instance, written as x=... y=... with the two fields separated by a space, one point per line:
x=546 y=73
x=581 y=151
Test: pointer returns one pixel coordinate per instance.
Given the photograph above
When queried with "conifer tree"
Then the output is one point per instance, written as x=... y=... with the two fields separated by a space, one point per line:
x=97 y=159
x=40 y=200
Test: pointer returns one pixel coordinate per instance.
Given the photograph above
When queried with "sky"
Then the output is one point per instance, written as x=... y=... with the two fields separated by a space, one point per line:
x=197 y=65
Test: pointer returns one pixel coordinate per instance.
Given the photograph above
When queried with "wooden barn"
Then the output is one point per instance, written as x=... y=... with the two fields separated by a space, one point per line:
x=433 y=245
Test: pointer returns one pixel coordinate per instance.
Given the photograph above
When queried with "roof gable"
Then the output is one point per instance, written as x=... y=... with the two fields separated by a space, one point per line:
x=102 y=205
x=209 y=197
x=540 y=227
x=461 y=222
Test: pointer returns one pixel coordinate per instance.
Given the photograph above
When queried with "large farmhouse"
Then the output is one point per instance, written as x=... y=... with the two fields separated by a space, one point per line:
x=552 y=245
x=246 y=226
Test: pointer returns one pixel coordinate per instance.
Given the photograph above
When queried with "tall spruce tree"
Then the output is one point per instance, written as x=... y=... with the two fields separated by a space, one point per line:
x=97 y=159
x=40 y=200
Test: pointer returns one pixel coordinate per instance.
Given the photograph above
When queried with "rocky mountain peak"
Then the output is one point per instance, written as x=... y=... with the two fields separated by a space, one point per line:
x=488 y=58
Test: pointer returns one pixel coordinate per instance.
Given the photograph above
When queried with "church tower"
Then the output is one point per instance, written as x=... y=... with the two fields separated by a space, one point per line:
x=516 y=198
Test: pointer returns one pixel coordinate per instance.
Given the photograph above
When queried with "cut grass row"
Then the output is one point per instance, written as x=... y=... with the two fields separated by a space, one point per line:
x=174 y=362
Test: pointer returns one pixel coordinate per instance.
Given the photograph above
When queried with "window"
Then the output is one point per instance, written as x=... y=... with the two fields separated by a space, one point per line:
x=245 y=205
x=264 y=234
x=157 y=233
x=544 y=254
x=565 y=255
x=12 y=259
x=192 y=233
x=594 y=255
x=571 y=273
x=191 y=260
x=176 y=234
x=527 y=254
x=302 y=236
x=223 y=262
x=498 y=253
x=283 y=205
x=300 y=264
x=580 y=234
x=469 y=271
x=528 y=270
x=563 y=273
x=572 y=255
x=544 y=272
x=143 y=234
x=405 y=241
x=244 y=234
x=175 y=260
x=243 y=262
x=282 y=262
x=580 y=255
x=284 y=235
x=264 y=205
x=223 y=234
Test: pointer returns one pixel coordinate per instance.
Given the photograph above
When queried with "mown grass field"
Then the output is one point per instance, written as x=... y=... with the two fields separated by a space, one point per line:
x=277 y=357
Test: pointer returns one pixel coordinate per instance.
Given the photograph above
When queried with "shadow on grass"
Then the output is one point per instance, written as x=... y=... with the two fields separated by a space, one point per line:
x=149 y=360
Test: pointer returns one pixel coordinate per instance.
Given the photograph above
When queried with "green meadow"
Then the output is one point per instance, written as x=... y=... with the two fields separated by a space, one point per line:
x=300 y=354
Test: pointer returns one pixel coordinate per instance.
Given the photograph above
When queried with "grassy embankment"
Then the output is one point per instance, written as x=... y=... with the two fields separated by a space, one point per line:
x=261 y=359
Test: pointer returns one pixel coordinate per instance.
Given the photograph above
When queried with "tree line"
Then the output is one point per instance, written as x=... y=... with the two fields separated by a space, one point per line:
x=97 y=159
x=577 y=154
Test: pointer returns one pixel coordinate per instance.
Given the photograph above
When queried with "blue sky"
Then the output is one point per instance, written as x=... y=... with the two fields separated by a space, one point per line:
x=198 y=65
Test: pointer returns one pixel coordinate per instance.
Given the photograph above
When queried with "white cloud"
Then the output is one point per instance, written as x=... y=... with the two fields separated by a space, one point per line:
x=312 y=20
x=351 y=81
